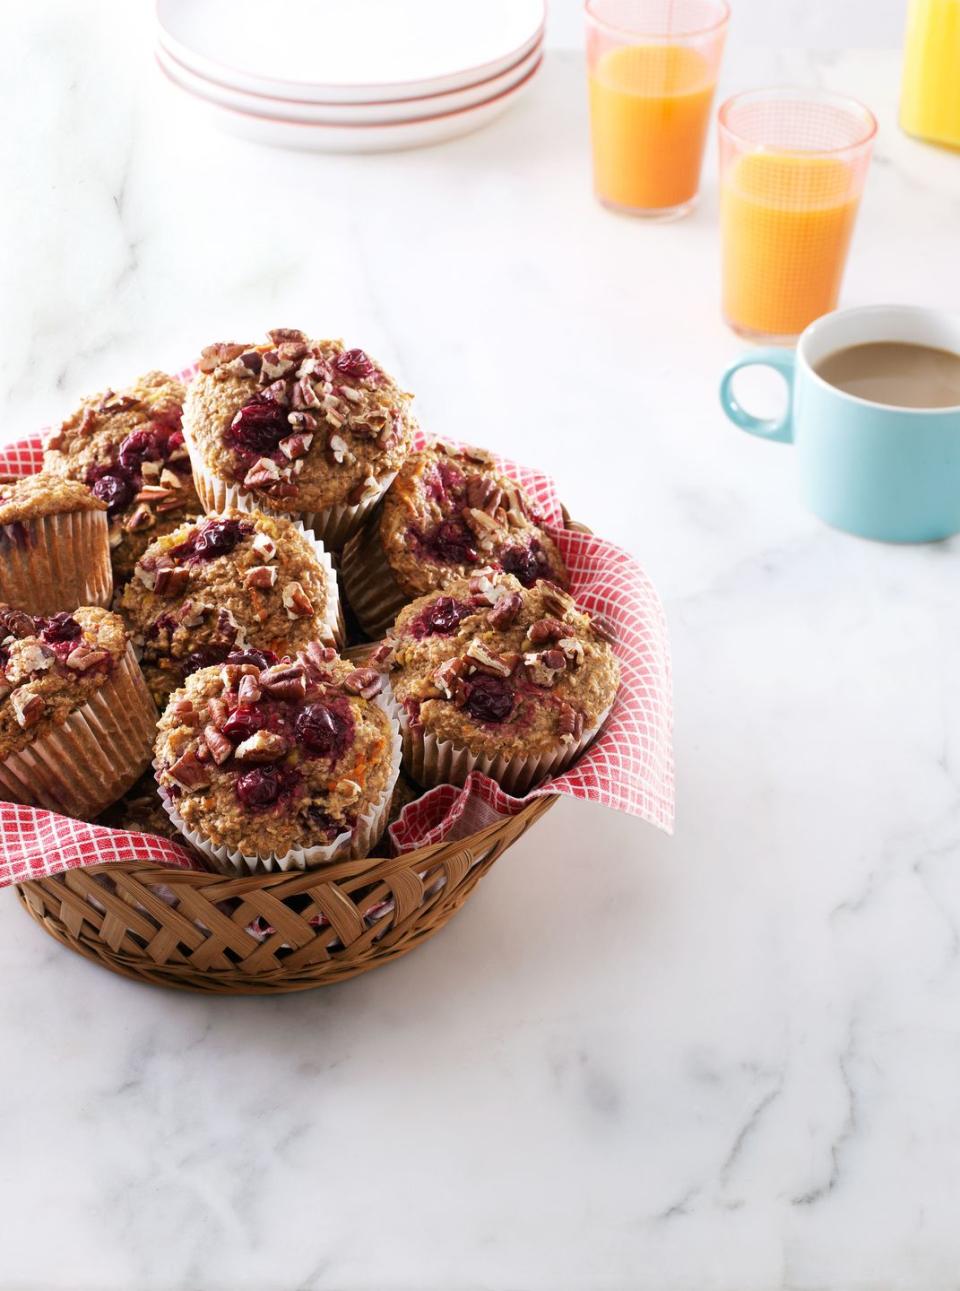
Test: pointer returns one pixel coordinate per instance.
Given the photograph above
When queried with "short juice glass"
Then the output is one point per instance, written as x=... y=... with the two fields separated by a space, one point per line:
x=792 y=169
x=652 y=68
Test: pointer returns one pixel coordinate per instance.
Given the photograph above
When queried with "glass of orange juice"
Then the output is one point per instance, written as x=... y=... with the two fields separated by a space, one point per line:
x=652 y=67
x=792 y=169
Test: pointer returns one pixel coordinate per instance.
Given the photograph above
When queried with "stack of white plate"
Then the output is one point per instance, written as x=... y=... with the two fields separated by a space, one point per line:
x=351 y=75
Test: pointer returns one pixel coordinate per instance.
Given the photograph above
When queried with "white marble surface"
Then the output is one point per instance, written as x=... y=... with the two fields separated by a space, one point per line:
x=723 y=1062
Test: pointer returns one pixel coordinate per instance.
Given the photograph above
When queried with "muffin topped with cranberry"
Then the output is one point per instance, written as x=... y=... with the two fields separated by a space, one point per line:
x=492 y=675
x=224 y=583
x=307 y=428
x=284 y=765
x=50 y=666
x=76 y=721
x=127 y=447
x=448 y=513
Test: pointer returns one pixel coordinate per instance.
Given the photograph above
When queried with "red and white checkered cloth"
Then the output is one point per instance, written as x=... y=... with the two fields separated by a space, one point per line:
x=628 y=767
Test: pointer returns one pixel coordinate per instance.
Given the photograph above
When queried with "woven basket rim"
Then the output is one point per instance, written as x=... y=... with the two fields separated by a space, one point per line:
x=367 y=867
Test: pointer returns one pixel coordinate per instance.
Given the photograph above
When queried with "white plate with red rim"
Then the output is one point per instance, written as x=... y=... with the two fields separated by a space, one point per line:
x=349 y=51
x=379 y=137
x=430 y=105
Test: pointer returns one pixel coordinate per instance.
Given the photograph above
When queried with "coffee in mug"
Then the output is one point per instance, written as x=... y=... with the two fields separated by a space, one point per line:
x=900 y=374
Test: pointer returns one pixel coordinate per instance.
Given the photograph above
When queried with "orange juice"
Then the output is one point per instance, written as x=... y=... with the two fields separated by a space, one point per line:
x=649 y=112
x=930 y=94
x=786 y=221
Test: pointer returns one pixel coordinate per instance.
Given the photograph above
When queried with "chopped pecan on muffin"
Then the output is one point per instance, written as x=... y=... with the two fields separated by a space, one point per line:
x=54 y=550
x=76 y=721
x=224 y=583
x=491 y=674
x=127 y=446
x=448 y=513
x=263 y=762
x=302 y=427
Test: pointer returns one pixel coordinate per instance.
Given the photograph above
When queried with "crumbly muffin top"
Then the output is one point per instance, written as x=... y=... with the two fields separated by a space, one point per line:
x=300 y=424
x=220 y=584
x=501 y=668
x=127 y=446
x=43 y=495
x=449 y=512
x=264 y=760
x=141 y=812
x=50 y=667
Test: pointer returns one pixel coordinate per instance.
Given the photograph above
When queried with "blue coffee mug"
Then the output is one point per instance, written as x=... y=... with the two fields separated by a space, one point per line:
x=872 y=469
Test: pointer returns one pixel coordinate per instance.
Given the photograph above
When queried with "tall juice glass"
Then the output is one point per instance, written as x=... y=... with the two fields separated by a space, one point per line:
x=652 y=68
x=792 y=169
x=930 y=91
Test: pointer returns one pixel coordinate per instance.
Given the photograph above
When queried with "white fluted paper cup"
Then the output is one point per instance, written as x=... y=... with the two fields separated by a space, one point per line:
x=333 y=629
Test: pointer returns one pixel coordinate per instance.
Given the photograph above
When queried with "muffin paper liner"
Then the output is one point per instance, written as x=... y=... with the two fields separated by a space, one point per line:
x=333 y=610
x=332 y=525
x=372 y=592
x=349 y=845
x=60 y=563
x=432 y=761
x=628 y=766
x=89 y=761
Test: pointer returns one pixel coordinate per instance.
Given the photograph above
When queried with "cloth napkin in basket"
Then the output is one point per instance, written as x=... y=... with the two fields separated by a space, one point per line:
x=628 y=767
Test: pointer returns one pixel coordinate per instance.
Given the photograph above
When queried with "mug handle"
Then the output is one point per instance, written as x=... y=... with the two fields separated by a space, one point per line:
x=779 y=432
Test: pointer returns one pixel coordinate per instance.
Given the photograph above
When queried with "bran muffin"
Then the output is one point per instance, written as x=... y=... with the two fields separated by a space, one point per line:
x=283 y=767
x=54 y=550
x=127 y=446
x=494 y=676
x=305 y=428
x=448 y=513
x=223 y=583
x=76 y=719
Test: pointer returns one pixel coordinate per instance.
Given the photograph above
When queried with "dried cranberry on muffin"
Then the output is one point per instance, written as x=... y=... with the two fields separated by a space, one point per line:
x=127 y=446
x=448 y=513
x=490 y=675
x=54 y=548
x=223 y=583
x=302 y=427
x=281 y=767
x=76 y=719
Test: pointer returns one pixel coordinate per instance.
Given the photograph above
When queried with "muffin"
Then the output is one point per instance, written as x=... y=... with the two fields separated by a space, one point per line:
x=225 y=583
x=128 y=448
x=54 y=549
x=448 y=513
x=76 y=720
x=301 y=427
x=283 y=767
x=493 y=676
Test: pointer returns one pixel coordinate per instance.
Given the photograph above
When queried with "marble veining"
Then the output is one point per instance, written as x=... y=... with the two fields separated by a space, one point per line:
x=723 y=1062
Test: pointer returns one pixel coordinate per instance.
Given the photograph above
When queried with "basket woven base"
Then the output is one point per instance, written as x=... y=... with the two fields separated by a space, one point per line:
x=264 y=934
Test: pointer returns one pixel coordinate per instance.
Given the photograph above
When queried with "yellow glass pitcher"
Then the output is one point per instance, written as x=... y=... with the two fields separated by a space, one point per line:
x=930 y=94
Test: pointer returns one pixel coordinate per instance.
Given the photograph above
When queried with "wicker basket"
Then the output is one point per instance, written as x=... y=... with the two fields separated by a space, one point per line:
x=265 y=933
